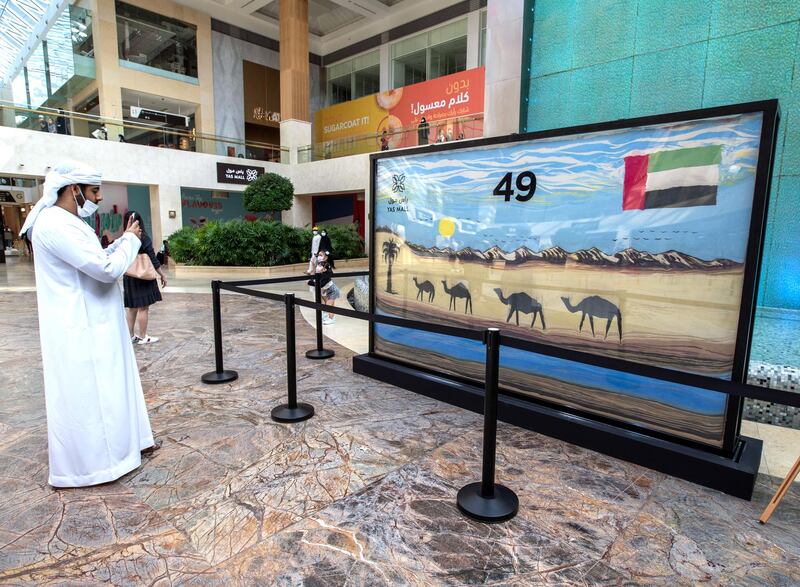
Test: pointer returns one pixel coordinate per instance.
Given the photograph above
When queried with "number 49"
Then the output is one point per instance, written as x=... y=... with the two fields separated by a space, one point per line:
x=526 y=185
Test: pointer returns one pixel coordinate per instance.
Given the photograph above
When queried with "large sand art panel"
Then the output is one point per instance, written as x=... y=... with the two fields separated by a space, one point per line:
x=628 y=243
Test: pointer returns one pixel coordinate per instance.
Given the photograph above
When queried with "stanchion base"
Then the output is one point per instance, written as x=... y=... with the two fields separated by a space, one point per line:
x=284 y=413
x=319 y=354
x=221 y=377
x=503 y=506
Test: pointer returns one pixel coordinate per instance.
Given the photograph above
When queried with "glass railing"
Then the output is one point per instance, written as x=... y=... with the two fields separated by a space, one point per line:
x=108 y=129
x=440 y=131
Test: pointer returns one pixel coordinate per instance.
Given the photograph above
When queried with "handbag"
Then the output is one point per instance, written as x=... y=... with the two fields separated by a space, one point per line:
x=142 y=268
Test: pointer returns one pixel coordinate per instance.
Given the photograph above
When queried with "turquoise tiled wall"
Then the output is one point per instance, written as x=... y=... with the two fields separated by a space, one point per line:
x=597 y=60
x=139 y=200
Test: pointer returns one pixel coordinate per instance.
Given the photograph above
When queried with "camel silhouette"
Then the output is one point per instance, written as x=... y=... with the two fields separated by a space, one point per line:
x=458 y=291
x=521 y=302
x=425 y=287
x=596 y=307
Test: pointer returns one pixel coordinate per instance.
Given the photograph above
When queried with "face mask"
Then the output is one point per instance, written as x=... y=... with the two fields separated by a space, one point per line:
x=88 y=207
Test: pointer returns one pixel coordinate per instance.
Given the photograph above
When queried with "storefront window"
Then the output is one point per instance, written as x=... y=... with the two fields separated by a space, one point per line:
x=340 y=90
x=410 y=69
x=149 y=40
x=429 y=55
x=354 y=78
x=367 y=81
x=447 y=58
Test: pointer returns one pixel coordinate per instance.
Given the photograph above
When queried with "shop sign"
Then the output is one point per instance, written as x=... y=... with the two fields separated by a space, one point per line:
x=260 y=113
x=9 y=197
x=240 y=174
x=157 y=116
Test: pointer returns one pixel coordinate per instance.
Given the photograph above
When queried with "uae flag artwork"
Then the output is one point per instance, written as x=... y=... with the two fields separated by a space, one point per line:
x=678 y=178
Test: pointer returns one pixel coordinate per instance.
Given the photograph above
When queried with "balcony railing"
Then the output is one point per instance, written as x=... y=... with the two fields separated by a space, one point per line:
x=141 y=133
x=440 y=131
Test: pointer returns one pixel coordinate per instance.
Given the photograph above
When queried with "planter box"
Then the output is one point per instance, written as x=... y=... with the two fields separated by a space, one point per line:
x=342 y=265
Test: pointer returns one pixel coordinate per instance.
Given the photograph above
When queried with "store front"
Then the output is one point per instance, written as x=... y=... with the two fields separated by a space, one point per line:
x=16 y=200
x=339 y=209
x=200 y=206
x=118 y=198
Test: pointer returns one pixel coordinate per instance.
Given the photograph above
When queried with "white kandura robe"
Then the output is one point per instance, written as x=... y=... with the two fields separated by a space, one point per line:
x=97 y=421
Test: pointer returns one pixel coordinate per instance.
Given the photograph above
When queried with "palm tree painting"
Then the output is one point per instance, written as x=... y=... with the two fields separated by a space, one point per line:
x=390 y=251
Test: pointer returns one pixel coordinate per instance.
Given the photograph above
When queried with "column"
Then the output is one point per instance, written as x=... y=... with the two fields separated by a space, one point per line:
x=163 y=199
x=106 y=56
x=385 y=67
x=7 y=95
x=503 y=67
x=473 y=39
x=295 y=124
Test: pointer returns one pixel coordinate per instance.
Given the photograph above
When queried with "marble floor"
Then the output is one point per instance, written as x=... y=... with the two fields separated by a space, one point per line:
x=361 y=494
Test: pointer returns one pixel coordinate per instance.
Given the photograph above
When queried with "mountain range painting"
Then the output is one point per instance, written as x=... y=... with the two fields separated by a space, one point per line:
x=625 y=243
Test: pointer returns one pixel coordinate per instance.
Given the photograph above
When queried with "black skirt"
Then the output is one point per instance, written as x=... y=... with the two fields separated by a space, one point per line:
x=140 y=293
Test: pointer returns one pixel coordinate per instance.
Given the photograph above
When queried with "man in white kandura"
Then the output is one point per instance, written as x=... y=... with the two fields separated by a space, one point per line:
x=97 y=421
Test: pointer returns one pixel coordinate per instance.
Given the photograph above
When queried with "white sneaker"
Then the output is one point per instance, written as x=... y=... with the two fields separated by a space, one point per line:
x=147 y=340
x=135 y=339
x=326 y=321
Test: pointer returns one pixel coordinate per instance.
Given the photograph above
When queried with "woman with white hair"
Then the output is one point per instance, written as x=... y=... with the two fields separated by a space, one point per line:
x=97 y=423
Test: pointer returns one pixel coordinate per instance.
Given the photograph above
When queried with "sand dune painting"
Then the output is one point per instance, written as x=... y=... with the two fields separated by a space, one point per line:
x=627 y=243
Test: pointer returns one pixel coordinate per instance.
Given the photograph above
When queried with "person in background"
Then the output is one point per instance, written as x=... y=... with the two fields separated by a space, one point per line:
x=51 y=125
x=449 y=134
x=100 y=133
x=163 y=254
x=62 y=126
x=441 y=138
x=140 y=294
x=326 y=245
x=97 y=422
x=422 y=131
x=312 y=261
x=330 y=293
x=43 y=124
x=384 y=141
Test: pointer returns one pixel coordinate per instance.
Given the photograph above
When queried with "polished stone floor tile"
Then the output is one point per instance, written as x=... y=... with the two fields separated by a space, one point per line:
x=361 y=494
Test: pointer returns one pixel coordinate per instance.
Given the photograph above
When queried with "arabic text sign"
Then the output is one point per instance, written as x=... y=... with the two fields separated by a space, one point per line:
x=239 y=174
x=440 y=101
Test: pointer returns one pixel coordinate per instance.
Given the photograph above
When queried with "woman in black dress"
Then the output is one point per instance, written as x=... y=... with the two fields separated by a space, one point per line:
x=140 y=294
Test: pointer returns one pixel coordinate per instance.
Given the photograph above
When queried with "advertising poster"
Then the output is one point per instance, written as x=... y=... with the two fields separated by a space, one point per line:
x=450 y=107
x=626 y=243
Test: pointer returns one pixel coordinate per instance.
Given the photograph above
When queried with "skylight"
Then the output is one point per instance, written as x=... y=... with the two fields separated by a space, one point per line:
x=21 y=22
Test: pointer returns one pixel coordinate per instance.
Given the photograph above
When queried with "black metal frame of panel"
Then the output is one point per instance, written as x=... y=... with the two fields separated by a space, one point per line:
x=731 y=469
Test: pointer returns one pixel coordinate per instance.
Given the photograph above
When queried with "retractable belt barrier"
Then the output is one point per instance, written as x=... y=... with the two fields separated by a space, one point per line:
x=484 y=500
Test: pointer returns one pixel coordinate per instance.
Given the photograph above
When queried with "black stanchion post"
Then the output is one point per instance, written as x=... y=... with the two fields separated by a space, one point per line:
x=219 y=375
x=319 y=352
x=487 y=501
x=291 y=411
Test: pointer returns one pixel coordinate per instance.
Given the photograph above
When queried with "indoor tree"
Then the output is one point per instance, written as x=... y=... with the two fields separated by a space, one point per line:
x=269 y=193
